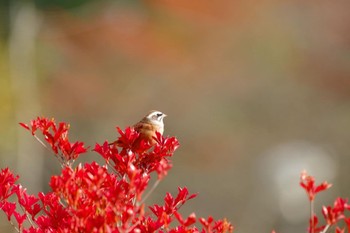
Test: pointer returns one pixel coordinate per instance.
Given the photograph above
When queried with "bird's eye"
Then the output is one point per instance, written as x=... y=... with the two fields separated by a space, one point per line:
x=159 y=114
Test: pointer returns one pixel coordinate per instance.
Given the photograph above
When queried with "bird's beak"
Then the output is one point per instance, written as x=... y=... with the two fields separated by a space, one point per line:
x=165 y=115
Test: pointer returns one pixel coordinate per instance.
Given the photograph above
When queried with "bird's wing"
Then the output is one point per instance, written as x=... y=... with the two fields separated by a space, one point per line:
x=143 y=127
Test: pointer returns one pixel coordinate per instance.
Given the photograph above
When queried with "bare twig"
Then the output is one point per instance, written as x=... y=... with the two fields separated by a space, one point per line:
x=312 y=216
x=150 y=191
x=16 y=228
x=326 y=228
x=26 y=213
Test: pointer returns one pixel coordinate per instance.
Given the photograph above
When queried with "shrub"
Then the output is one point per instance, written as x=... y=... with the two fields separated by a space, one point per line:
x=107 y=198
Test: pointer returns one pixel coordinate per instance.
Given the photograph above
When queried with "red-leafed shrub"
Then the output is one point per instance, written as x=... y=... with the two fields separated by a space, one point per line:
x=332 y=214
x=95 y=198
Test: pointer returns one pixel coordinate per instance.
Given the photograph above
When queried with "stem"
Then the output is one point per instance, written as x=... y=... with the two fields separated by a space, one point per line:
x=111 y=167
x=150 y=191
x=12 y=224
x=26 y=213
x=41 y=142
x=45 y=146
x=326 y=228
x=64 y=205
x=59 y=157
x=133 y=226
x=312 y=216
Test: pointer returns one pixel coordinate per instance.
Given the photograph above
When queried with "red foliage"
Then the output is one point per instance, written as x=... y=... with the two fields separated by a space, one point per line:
x=332 y=215
x=139 y=155
x=57 y=138
x=91 y=198
x=308 y=183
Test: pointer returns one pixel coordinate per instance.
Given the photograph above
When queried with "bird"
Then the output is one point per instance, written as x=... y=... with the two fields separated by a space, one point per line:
x=147 y=127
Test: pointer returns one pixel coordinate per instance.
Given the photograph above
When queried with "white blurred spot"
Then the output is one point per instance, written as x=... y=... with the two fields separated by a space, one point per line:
x=283 y=165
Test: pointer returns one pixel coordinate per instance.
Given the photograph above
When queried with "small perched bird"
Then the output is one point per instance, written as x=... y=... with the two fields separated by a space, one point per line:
x=148 y=126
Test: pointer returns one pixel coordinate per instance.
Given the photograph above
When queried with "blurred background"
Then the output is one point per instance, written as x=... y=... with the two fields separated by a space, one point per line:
x=255 y=91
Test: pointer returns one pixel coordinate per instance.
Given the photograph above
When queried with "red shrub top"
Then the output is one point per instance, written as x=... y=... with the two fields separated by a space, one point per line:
x=307 y=182
x=108 y=198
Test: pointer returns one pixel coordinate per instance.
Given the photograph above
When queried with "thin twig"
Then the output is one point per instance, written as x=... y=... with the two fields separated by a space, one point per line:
x=16 y=228
x=326 y=228
x=115 y=170
x=59 y=157
x=41 y=142
x=61 y=202
x=26 y=213
x=312 y=216
x=133 y=226
x=150 y=191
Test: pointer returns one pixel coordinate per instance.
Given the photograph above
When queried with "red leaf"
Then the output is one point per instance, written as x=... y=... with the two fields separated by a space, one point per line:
x=339 y=230
x=20 y=218
x=24 y=126
x=307 y=182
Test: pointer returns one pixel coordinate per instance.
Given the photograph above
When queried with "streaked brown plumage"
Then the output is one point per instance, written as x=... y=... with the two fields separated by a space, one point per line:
x=148 y=126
